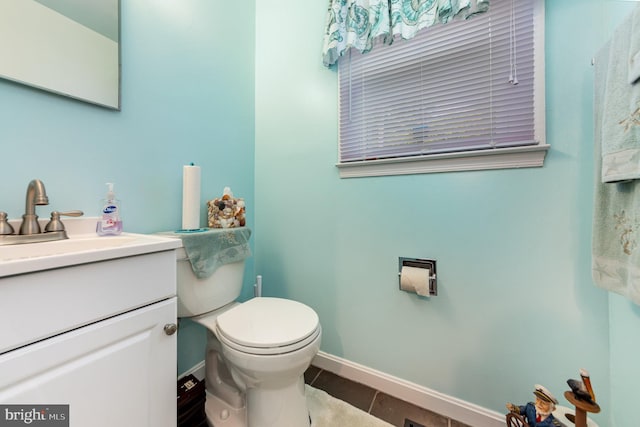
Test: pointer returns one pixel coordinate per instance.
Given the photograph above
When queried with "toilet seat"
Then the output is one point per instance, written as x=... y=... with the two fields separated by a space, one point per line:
x=268 y=326
x=270 y=351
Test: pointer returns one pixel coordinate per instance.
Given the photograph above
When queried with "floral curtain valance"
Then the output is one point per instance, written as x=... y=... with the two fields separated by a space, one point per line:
x=358 y=23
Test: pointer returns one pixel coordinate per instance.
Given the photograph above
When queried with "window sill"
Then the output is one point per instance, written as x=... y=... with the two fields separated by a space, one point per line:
x=500 y=158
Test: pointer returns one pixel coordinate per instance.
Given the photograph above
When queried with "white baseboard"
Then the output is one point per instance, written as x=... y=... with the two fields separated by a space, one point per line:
x=196 y=370
x=423 y=397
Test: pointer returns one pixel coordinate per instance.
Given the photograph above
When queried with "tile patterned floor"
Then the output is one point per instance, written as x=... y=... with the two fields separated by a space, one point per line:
x=375 y=402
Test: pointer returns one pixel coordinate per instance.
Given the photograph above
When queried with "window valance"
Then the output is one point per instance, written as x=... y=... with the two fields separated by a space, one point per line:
x=358 y=23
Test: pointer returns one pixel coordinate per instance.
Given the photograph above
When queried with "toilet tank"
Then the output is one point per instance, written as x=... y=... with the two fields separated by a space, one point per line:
x=199 y=296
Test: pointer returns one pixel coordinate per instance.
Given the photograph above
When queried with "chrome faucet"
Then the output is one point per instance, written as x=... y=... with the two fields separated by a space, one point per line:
x=30 y=228
x=36 y=195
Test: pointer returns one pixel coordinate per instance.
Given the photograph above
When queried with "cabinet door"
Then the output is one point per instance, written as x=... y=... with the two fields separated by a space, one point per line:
x=117 y=372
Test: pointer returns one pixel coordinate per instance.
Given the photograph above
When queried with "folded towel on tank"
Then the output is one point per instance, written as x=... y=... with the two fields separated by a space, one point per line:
x=210 y=249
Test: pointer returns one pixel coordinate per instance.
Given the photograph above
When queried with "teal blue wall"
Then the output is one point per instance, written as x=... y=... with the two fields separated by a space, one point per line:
x=187 y=96
x=625 y=369
x=516 y=303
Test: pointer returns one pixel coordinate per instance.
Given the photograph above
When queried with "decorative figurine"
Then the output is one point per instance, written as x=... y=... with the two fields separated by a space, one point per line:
x=538 y=413
x=226 y=211
x=582 y=389
x=582 y=397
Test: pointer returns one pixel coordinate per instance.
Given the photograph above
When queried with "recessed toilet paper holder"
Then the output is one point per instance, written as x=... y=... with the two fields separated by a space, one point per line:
x=429 y=264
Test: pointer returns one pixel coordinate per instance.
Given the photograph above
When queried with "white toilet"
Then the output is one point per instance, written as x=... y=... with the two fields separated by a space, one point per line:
x=257 y=351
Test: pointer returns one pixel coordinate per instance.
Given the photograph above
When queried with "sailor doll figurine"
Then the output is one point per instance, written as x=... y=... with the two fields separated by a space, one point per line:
x=538 y=413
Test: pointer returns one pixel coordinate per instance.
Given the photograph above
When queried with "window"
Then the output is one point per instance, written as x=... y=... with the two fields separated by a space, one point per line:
x=466 y=95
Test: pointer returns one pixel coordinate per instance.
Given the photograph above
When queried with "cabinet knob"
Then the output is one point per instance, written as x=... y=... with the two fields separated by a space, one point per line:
x=170 y=328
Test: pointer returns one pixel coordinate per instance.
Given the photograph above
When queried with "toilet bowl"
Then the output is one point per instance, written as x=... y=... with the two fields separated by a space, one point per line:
x=266 y=344
x=257 y=351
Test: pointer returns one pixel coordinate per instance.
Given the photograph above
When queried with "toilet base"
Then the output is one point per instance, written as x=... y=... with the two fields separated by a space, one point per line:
x=285 y=406
x=221 y=414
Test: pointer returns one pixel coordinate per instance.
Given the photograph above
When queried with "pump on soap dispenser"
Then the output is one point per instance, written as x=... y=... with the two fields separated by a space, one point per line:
x=109 y=223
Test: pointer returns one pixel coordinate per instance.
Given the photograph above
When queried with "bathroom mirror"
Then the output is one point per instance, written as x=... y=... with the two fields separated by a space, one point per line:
x=69 y=47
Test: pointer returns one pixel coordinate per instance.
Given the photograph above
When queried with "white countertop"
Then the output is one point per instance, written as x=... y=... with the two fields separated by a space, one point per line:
x=83 y=246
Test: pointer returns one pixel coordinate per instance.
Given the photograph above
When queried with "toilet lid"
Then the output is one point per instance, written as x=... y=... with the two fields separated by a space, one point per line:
x=268 y=322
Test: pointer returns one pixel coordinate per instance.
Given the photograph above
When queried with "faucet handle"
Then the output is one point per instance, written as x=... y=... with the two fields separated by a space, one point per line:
x=5 y=227
x=55 y=224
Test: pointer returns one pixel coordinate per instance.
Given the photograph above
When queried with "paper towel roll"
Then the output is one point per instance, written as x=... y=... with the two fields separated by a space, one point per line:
x=414 y=279
x=190 y=197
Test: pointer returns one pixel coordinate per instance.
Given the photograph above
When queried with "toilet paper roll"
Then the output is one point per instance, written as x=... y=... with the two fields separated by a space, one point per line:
x=414 y=279
x=190 y=197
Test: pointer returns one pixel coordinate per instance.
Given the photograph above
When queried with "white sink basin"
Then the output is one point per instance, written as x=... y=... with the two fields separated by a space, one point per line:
x=61 y=247
x=83 y=246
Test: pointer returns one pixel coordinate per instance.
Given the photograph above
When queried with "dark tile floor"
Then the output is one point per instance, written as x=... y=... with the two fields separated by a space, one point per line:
x=375 y=402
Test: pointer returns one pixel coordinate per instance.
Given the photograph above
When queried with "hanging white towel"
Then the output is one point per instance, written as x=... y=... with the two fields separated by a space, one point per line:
x=616 y=220
x=620 y=105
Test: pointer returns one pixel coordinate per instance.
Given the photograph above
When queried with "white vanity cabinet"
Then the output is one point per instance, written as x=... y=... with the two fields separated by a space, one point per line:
x=98 y=337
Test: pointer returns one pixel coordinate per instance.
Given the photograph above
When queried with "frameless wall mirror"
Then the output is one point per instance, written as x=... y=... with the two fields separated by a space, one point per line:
x=70 y=47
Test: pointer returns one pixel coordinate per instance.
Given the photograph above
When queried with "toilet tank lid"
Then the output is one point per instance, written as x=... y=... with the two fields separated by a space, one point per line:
x=268 y=322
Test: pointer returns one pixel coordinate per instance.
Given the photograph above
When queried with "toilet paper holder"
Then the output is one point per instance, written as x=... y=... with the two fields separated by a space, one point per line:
x=429 y=264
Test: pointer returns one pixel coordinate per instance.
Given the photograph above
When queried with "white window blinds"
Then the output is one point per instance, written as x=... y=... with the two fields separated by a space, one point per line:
x=449 y=89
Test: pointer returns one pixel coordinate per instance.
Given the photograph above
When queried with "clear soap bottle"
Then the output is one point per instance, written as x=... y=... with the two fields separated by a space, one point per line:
x=110 y=223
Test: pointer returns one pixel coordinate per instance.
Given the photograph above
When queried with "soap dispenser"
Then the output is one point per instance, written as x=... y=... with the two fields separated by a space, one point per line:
x=109 y=223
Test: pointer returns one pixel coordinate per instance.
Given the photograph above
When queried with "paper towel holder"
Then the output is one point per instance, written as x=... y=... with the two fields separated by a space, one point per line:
x=420 y=263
